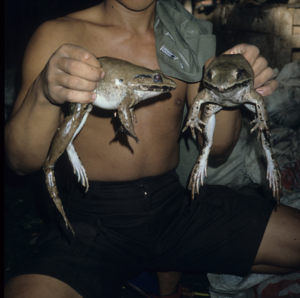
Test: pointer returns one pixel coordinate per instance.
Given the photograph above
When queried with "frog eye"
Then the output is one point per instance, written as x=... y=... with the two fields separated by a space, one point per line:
x=239 y=73
x=121 y=80
x=209 y=74
x=157 y=78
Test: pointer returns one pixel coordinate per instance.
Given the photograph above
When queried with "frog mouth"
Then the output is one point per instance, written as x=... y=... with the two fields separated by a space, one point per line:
x=223 y=90
x=156 y=88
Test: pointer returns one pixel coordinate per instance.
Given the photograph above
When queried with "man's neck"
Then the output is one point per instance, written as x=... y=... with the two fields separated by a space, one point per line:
x=134 y=17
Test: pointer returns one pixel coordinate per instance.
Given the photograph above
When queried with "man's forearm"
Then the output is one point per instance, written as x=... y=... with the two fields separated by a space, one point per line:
x=29 y=132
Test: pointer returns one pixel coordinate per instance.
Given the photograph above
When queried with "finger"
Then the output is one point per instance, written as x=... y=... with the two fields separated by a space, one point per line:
x=80 y=69
x=72 y=95
x=250 y=52
x=73 y=82
x=268 y=88
x=266 y=75
x=78 y=53
x=259 y=66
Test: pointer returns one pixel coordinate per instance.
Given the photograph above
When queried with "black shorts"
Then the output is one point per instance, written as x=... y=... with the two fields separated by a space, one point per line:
x=124 y=228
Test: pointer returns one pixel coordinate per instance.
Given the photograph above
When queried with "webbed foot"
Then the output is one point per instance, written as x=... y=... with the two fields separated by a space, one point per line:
x=78 y=167
x=79 y=170
x=128 y=132
x=127 y=118
x=68 y=225
x=52 y=188
x=197 y=176
x=274 y=177
x=193 y=123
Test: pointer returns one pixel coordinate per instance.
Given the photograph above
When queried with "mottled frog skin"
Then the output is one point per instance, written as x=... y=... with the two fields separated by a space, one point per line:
x=228 y=82
x=123 y=86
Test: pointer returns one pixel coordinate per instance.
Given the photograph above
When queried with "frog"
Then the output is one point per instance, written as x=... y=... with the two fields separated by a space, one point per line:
x=123 y=86
x=229 y=82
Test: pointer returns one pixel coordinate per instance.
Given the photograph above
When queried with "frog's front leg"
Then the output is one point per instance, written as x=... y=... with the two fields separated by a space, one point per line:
x=273 y=171
x=193 y=120
x=127 y=116
x=261 y=120
x=78 y=167
x=199 y=170
x=252 y=108
x=60 y=141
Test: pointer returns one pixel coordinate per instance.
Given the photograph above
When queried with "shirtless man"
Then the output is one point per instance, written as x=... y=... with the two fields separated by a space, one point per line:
x=60 y=66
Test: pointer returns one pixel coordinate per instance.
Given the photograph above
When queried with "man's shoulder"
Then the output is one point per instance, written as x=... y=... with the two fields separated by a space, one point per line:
x=70 y=26
x=64 y=26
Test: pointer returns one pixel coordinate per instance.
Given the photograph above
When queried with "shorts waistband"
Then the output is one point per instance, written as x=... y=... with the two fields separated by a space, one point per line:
x=112 y=197
x=95 y=185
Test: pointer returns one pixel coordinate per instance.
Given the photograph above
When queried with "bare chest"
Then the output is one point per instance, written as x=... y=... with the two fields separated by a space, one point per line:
x=138 y=49
x=114 y=42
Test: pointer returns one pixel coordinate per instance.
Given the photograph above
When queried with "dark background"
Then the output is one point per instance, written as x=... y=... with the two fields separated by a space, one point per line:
x=23 y=17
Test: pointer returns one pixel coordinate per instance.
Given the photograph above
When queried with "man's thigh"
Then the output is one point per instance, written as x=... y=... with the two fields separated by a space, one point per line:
x=84 y=263
x=219 y=232
x=38 y=286
x=280 y=246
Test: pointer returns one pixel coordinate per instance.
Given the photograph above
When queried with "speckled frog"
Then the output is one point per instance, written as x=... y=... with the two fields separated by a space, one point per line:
x=123 y=86
x=228 y=82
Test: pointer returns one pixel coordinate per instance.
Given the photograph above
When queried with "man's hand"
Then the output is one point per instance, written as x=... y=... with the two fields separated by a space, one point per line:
x=263 y=82
x=71 y=74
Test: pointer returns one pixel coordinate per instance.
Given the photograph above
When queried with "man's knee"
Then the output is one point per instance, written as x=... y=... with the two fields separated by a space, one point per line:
x=169 y=276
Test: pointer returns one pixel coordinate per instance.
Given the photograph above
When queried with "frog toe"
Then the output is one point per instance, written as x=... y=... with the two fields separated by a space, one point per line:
x=255 y=126
x=193 y=123
x=80 y=172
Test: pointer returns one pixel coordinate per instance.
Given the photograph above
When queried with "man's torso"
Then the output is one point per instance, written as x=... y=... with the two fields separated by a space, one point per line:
x=110 y=157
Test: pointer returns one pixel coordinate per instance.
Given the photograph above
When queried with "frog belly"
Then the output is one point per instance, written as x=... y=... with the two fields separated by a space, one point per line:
x=102 y=102
x=229 y=103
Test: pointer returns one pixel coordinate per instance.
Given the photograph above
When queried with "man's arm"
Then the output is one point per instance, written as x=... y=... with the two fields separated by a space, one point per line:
x=228 y=122
x=52 y=74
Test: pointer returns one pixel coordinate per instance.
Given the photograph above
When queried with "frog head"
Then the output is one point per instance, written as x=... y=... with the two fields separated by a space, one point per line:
x=228 y=73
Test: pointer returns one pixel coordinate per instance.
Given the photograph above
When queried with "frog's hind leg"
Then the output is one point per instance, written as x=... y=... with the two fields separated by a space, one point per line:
x=52 y=188
x=56 y=149
x=199 y=170
x=127 y=117
x=60 y=141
